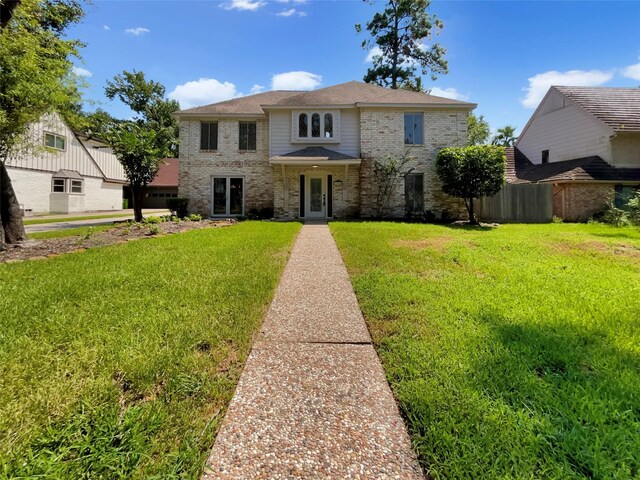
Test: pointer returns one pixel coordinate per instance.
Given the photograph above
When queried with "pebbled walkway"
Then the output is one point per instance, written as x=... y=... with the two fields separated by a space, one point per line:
x=313 y=401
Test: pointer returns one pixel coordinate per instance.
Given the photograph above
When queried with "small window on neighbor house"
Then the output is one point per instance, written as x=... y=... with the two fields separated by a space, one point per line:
x=247 y=135
x=52 y=140
x=58 y=185
x=545 y=156
x=303 y=125
x=208 y=135
x=76 y=186
x=413 y=128
x=624 y=193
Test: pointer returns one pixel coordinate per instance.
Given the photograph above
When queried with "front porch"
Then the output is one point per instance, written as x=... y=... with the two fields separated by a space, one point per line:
x=316 y=183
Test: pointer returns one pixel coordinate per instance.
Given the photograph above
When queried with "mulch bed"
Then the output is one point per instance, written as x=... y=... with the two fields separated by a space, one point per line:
x=52 y=247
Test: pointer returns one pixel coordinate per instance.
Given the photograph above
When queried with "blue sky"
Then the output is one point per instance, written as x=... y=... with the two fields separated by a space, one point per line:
x=502 y=55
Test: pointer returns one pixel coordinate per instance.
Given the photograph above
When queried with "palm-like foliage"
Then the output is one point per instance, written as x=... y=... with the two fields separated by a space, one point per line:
x=505 y=137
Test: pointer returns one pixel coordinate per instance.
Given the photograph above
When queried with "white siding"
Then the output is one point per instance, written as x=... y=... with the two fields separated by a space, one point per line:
x=100 y=195
x=32 y=189
x=108 y=163
x=626 y=150
x=567 y=132
x=280 y=129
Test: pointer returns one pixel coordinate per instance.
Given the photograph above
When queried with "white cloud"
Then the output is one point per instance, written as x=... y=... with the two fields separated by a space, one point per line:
x=203 y=92
x=291 y=12
x=295 y=81
x=257 y=88
x=82 y=72
x=106 y=27
x=632 y=71
x=373 y=53
x=297 y=2
x=540 y=83
x=137 y=31
x=250 y=5
x=448 y=93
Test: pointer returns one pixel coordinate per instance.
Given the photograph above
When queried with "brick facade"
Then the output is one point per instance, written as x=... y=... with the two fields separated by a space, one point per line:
x=381 y=136
x=575 y=202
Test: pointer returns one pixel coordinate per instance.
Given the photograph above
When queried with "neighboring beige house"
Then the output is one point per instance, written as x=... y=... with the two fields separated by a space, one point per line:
x=586 y=142
x=311 y=154
x=57 y=171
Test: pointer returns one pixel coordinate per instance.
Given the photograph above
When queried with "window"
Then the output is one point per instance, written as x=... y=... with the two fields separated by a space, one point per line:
x=76 y=186
x=414 y=194
x=413 y=128
x=624 y=193
x=52 y=140
x=545 y=156
x=228 y=196
x=58 y=185
x=208 y=135
x=315 y=126
x=247 y=136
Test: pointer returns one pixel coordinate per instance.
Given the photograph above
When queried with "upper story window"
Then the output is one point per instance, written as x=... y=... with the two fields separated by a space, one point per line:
x=208 y=135
x=52 y=140
x=413 y=128
x=247 y=134
x=313 y=126
x=545 y=156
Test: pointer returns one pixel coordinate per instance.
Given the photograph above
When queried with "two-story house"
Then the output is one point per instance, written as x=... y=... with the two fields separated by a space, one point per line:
x=585 y=141
x=56 y=170
x=312 y=154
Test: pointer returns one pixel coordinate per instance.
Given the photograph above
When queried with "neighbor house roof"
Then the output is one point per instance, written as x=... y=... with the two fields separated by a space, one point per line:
x=167 y=175
x=350 y=94
x=617 y=107
x=588 y=169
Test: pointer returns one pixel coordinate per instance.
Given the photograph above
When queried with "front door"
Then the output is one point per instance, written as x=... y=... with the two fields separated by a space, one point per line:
x=317 y=196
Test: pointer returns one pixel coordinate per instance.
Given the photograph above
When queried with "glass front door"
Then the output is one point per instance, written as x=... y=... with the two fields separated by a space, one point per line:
x=317 y=201
x=228 y=196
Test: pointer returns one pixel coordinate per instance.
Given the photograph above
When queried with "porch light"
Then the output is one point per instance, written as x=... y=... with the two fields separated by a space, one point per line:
x=338 y=183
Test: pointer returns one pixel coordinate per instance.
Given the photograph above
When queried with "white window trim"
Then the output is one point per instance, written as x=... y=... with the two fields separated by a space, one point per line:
x=67 y=186
x=228 y=199
x=55 y=135
x=294 y=127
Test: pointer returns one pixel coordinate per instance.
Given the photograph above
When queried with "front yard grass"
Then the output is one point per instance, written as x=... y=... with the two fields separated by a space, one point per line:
x=513 y=352
x=119 y=362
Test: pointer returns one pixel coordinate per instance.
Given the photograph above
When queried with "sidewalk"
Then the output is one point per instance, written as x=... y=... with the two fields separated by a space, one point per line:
x=87 y=222
x=313 y=401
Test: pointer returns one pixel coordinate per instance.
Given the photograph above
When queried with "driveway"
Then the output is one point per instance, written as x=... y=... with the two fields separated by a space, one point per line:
x=61 y=223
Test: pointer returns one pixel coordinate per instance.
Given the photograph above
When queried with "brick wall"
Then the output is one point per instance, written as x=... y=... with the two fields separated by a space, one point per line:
x=578 y=202
x=197 y=167
x=382 y=136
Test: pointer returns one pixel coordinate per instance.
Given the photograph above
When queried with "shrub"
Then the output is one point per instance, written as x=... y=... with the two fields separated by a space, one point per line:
x=557 y=219
x=154 y=230
x=194 y=217
x=178 y=206
x=471 y=172
x=260 y=213
x=152 y=220
x=627 y=214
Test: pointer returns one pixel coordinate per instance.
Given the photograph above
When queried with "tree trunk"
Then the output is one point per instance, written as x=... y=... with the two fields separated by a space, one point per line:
x=472 y=216
x=10 y=214
x=136 y=198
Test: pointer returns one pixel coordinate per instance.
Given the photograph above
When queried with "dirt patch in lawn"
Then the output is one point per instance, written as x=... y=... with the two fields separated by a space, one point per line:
x=52 y=247
x=627 y=250
x=439 y=243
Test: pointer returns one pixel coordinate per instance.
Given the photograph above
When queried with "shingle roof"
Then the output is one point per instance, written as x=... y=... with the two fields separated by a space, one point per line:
x=354 y=92
x=249 y=105
x=67 y=174
x=350 y=93
x=315 y=153
x=617 y=107
x=167 y=175
x=594 y=169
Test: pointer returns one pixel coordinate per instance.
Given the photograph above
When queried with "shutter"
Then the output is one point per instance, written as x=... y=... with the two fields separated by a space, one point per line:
x=301 y=196
x=329 y=196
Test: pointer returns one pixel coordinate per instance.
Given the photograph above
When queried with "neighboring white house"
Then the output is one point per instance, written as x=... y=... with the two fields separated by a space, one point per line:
x=56 y=171
x=586 y=142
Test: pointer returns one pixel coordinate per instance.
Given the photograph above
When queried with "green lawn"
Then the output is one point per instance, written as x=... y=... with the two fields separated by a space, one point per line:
x=513 y=352
x=119 y=362
x=40 y=221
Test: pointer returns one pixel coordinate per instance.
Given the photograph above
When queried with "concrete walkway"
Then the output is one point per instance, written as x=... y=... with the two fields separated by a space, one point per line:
x=313 y=401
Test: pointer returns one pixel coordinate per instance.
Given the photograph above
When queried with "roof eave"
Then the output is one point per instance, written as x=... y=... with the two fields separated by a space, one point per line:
x=310 y=162
x=320 y=105
x=180 y=115
x=463 y=106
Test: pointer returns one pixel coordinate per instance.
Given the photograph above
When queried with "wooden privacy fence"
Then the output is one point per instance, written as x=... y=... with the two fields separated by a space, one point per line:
x=518 y=203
